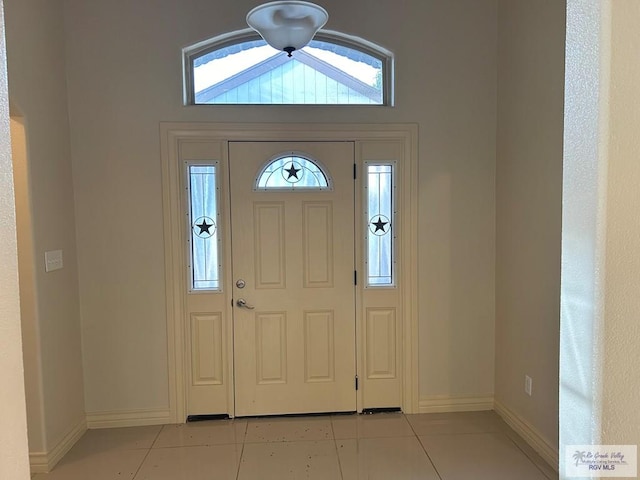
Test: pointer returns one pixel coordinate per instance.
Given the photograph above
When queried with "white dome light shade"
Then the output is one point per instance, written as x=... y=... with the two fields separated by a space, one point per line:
x=287 y=25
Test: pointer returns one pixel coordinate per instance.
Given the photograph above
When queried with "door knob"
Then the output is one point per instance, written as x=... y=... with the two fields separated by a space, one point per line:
x=241 y=302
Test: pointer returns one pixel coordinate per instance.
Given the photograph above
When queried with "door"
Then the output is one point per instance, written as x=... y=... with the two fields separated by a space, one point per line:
x=292 y=217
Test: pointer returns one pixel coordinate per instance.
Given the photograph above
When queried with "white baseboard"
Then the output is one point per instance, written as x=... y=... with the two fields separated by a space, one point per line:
x=446 y=404
x=129 y=418
x=43 y=462
x=529 y=433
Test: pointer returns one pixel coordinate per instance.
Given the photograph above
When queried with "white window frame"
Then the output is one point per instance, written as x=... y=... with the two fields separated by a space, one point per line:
x=190 y=53
x=189 y=227
x=393 y=219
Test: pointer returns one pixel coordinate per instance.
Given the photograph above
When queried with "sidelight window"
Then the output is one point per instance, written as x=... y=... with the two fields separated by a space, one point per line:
x=204 y=227
x=380 y=217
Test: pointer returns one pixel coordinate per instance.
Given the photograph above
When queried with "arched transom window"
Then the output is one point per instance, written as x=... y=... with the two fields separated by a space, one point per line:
x=293 y=171
x=332 y=70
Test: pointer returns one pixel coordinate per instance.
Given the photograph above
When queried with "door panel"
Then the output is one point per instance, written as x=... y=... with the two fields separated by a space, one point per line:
x=294 y=341
x=208 y=376
x=207 y=364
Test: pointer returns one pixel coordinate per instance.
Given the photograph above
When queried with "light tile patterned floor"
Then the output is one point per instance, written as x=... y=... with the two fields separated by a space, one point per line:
x=452 y=446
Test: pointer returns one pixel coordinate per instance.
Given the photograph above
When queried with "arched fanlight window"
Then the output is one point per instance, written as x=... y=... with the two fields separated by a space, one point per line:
x=334 y=69
x=292 y=171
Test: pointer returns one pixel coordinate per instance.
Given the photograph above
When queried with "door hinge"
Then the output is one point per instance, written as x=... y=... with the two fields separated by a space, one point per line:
x=357 y=382
x=355 y=277
x=355 y=170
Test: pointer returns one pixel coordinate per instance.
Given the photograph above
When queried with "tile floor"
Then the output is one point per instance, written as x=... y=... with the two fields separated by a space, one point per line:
x=452 y=446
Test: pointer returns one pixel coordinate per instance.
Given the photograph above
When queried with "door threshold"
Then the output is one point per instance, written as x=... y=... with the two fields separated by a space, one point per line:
x=205 y=418
x=298 y=415
x=371 y=411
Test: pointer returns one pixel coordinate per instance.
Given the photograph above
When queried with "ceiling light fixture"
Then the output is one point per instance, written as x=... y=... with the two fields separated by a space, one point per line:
x=287 y=25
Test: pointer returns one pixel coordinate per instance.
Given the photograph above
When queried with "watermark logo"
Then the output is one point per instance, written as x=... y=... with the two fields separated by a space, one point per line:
x=601 y=461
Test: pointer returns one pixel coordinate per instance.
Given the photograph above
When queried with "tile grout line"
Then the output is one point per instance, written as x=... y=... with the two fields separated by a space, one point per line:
x=155 y=440
x=240 y=460
x=141 y=464
x=242 y=445
x=148 y=452
x=423 y=447
x=335 y=445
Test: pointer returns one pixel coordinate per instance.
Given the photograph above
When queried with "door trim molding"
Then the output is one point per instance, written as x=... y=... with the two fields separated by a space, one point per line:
x=173 y=134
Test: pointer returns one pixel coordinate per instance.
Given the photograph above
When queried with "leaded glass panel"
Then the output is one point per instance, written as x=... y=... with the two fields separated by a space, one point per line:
x=292 y=172
x=204 y=226
x=380 y=217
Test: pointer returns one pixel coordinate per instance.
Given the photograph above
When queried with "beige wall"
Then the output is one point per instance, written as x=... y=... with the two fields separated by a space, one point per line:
x=124 y=77
x=528 y=209
x=14 y=462
x=28 y=297
x=621 y=333
x=37 y=87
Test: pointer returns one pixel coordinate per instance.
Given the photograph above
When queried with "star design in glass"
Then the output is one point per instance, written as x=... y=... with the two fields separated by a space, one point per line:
x=380 y=225
x=206 y=228
x=293 y=172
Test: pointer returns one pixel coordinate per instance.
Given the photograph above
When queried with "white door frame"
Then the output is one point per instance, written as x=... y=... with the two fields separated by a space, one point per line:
x=366 y=138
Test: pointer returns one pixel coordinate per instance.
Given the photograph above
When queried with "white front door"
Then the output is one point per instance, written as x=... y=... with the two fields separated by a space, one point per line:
x=293 y=274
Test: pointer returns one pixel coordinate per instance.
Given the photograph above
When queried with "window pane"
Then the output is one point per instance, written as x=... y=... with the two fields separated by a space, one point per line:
x=380 y=238
x=292 y=173
x=321 y=73
x=203 y=199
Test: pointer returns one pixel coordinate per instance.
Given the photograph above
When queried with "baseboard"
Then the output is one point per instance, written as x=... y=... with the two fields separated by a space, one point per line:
x=445 y=404
x=529 y=433
x=129 y=418
x=43 y=462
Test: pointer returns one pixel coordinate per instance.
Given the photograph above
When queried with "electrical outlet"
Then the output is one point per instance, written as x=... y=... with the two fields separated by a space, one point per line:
x=53 y=260
x=528 y=385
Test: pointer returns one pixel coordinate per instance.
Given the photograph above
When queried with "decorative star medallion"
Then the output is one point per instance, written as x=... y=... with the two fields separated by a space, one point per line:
x=381 y=226
x=206 y=227
x=293 y=172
